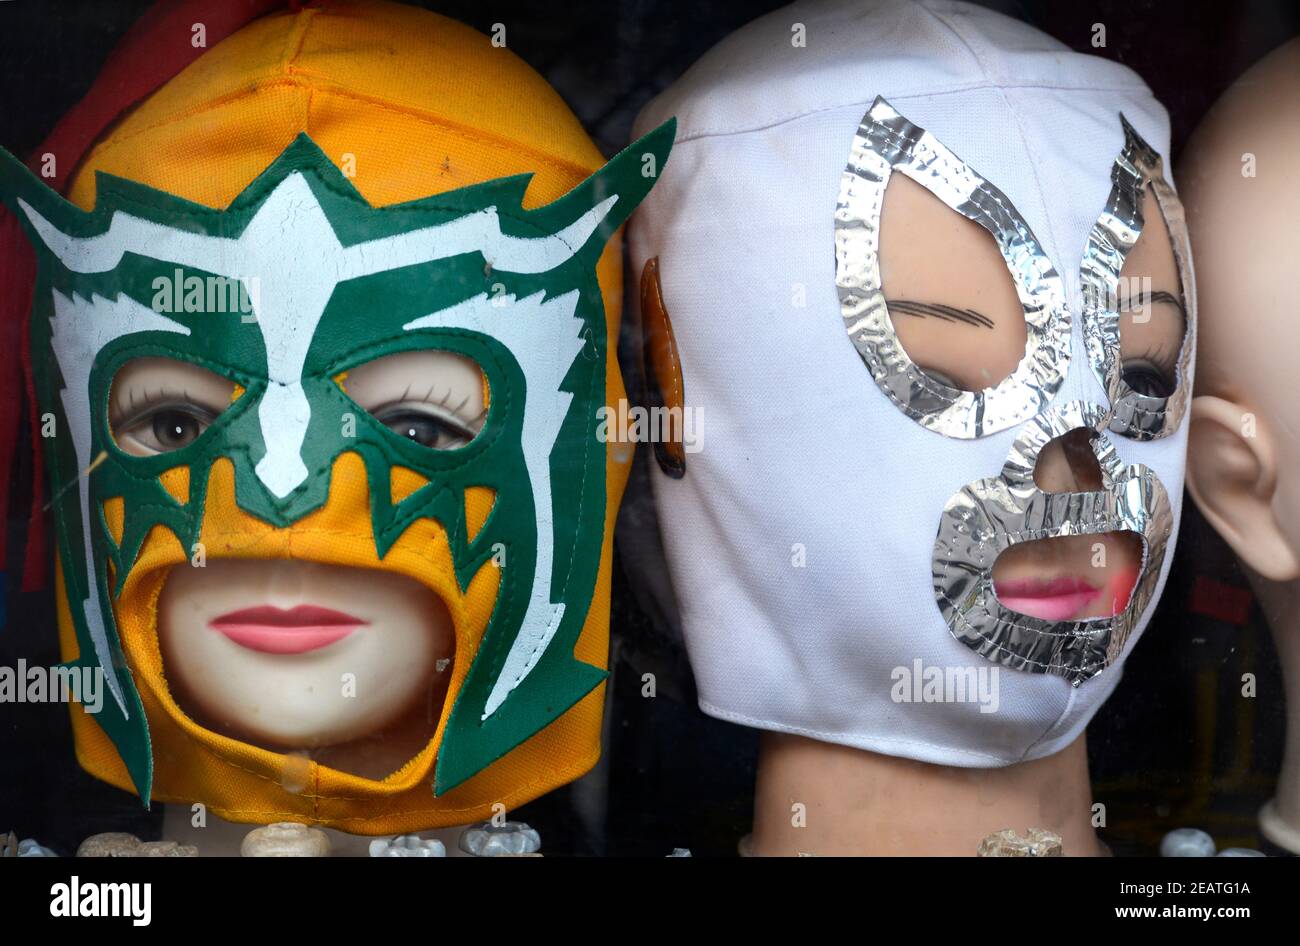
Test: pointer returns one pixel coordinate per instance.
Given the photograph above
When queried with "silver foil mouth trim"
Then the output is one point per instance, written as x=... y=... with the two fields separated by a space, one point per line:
x=988 y=516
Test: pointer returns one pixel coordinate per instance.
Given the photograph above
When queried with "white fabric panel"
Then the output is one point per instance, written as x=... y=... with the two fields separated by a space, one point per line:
x=801 y=447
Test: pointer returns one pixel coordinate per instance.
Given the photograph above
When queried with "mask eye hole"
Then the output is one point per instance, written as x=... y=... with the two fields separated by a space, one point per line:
x=435 y=398
x=1152 y=312
x=951 y=299
x=158 y=405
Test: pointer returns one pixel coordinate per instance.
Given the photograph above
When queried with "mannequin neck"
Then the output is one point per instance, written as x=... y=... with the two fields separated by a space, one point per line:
x=1280 y=820
x=863 y=803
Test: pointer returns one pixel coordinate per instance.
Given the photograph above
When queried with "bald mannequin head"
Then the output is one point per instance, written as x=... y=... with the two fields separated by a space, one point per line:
x=1241 y=188
x=1240 y=183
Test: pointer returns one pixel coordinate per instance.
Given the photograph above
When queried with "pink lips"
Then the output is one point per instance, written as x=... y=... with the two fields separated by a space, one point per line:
x=273 y=630
x=1054 y=599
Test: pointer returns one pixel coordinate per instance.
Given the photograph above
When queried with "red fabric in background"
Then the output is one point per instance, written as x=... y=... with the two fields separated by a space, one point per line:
x=1219 y=600
x=153 y=51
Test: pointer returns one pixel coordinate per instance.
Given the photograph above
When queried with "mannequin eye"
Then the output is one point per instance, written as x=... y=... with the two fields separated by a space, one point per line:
x=1148 y=379
x=427 y=426
x=158 y=405
x=1152 y=313
x=169 y=427
x=437 y=399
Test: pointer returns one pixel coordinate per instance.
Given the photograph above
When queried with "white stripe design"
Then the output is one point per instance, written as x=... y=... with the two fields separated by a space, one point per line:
x=79 y=331
x=290 y=261
x=545 y=338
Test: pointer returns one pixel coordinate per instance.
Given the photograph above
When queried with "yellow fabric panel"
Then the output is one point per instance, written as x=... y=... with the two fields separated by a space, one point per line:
x=95 y=751
x=478 y=506
x=419 y=105
x=114 y=515
x=425 y=104
x=177 y=483
x=403 y=482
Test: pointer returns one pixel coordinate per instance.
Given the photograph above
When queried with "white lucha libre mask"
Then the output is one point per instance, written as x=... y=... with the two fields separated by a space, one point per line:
x=832 y=545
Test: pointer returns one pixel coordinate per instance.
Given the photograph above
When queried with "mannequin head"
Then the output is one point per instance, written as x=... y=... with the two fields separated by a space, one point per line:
x=339 y=534
x=1243 y=202
x=954 y=445
x=1242 y=177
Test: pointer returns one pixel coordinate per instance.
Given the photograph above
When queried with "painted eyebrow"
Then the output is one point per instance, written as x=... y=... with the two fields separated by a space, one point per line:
x=939 y=311
x=1155 y=298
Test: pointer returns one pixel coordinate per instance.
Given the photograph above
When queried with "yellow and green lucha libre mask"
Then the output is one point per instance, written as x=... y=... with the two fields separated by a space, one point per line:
x=475 y=218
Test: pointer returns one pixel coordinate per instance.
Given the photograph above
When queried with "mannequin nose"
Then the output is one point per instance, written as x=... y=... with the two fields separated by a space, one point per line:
x=286 y=580
x=1068 y=465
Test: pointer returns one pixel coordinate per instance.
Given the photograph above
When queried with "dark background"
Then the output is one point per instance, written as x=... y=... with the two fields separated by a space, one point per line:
x=1176 y=745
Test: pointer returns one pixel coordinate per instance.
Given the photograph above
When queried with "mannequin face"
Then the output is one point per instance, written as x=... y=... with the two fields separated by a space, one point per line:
x=293 y=654
x=958 y=316
x=300 y=655
x=306 y=448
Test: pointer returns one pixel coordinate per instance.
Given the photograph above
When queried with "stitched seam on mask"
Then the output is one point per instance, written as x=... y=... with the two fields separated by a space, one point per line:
x=147 y=505
x=1011 y=622
x=465 y=133
x=600 y=384
x=1070 y=699
x=960 y=615
x=1158 y=412
x=527 y=788
x=1001 y=90
x=1108 y=524
x=375 y=796
x=419 y=207
x=865 y=104
x=296 y=40
x=297 y=532
x=237 y=374
x=557 y=778
x=1047 y=667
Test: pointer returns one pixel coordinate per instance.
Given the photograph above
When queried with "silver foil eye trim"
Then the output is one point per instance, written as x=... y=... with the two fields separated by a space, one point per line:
x=885 y=142
x=1138 y=416
x=990 y=515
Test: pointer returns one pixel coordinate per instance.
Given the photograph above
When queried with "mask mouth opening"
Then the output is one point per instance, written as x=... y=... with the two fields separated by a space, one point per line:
x=1070 y=578
x=300 y=647
x=285 y=656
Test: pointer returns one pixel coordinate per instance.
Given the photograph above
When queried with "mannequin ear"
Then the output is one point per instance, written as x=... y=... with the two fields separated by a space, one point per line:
x=1232 y=476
